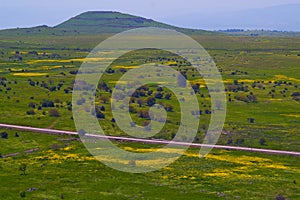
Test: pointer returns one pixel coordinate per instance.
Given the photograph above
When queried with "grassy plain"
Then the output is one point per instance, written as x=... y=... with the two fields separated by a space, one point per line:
x=64 y=169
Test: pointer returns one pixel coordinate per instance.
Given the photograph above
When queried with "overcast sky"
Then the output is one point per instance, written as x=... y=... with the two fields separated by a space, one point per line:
x=22 y=13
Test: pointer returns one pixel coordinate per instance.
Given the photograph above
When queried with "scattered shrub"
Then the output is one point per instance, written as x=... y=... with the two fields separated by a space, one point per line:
x=262 y=142
x=30 y=112
x=23 y=168
x=54 y=113
x=4 y=135
x=23 y=194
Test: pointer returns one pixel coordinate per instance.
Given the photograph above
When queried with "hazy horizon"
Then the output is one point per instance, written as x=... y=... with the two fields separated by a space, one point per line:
x=213 y=15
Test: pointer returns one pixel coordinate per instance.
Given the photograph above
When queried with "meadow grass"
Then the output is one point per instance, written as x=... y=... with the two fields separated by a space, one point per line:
x=62 y=168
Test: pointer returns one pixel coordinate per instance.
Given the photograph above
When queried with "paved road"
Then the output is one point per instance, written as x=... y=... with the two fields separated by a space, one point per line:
x=150 y=141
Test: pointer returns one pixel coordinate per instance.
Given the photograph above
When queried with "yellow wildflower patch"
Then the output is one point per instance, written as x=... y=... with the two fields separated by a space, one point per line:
x=171 y=63
x=16 y=70
x=30 y=74
x=249 y=161
x=21 y=52
x=199 y=81
x=290 y=115
x=189 y=154
x=59 y=158
x=68 y=148
x=239 y=80
x=109 y=159
x=155 y=162
x=164 y=177
x=285 y=78
x=276 y=166
x=244 y=160
x=161 y=150
x=244 y=176
x=182 y=177
x=70 y=60
x=126 y=67
x=218 y=174
x=51 y=67
x=118 y=82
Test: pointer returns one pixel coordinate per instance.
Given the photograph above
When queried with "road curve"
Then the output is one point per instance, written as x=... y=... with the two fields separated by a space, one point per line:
x=150 y=141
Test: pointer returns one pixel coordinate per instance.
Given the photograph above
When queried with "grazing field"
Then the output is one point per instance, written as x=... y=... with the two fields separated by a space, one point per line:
x=261 y=76
x=262 y=80
x=63 y=169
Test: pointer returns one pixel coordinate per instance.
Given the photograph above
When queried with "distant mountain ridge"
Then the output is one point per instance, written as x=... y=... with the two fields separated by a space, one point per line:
x=283 y=17
x=97 y=22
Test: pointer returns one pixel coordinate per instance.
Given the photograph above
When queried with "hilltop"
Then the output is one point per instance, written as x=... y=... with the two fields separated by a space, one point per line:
x=97 y=22
x=107 y=22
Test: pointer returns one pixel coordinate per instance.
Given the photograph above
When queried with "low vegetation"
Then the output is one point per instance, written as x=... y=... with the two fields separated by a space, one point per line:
x=261 y=77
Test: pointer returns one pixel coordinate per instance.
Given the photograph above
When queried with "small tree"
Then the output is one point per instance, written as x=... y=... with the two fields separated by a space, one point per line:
x=30 y=112
x=229 y=141
x=296 y=96
x=140 y=102
x=23 y=194
x=168 y=96
x=169 y=108
x=144 y=114
x=131 y=109
x=279 y=197
x=104 y=99
x=4 y=135
x=23 y=168
x=31 y=105
x=158 y=95
x=102 y=108
x=47 y=103
x=262 y=142
x=54 y=113
x=251 y=120
x=99 y=114
x=151 y=101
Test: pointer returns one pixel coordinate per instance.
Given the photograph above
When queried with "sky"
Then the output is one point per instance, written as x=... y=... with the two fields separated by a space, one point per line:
x=19 y=13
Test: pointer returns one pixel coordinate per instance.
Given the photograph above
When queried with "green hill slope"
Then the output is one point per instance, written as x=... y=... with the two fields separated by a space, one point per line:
x=107 y=22
x=97 y=22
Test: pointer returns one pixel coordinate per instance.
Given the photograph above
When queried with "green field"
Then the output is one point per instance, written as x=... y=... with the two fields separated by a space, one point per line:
x=268 y=71
x=262 y=81
x=63 y=168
